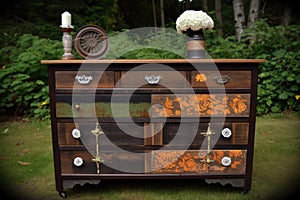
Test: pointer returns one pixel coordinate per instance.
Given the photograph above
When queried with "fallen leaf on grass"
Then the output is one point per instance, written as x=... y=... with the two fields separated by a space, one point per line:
x=24 y=163
x=26 y=151
x=270 y=141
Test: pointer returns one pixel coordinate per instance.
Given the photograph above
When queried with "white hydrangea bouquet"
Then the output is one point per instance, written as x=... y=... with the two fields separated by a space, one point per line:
x=194 y=20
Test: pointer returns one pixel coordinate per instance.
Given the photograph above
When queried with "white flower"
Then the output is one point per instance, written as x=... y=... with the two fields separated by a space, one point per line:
x=194 y=20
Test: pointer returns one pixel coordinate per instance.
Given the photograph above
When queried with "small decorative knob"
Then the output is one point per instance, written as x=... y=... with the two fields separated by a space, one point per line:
x=226 y=161
x=76 y=133
x=77 y=106
x=78 y=161
x=226 y=132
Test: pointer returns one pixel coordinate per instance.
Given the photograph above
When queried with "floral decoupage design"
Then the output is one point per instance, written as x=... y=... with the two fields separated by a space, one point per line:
x=188 y=105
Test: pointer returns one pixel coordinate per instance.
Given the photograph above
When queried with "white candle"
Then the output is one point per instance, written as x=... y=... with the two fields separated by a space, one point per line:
x=66 y=19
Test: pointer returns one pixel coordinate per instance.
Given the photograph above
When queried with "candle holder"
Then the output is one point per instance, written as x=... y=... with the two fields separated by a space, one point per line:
x=67 y=43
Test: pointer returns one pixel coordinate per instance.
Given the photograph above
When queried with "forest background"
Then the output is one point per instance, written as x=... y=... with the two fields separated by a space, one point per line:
x=266 y=29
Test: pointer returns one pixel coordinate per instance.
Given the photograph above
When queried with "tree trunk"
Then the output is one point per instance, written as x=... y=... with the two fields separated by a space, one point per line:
x=218 y=7
x=154 y=13
x=239 y=18
x=162 y=13
x=253 y=12
x=187 y=4
x=286 y=18
x=204 y=5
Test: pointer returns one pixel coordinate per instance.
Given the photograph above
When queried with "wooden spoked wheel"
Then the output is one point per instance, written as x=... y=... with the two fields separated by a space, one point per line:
x=91 y=42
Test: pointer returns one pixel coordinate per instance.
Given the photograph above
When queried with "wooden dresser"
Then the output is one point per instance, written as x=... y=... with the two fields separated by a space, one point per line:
x=161 y=119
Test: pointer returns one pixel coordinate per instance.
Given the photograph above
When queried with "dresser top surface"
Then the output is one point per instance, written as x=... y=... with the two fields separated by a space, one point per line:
x=162 y=61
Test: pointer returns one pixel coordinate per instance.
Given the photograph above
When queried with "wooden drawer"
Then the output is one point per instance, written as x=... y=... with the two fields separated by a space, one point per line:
x=193 y=161
x=156 y=79
x=101 y=106
x=235 y=133
x=130 y=137
x=113 y=162
x=200 y=105
x=69 y=134
x=84 y=79
x=227 y=79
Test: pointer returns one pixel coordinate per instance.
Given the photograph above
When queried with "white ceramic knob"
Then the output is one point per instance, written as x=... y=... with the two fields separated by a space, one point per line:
x=76 y=133
x=226 y=132
x=226 y=161
x=78 y=161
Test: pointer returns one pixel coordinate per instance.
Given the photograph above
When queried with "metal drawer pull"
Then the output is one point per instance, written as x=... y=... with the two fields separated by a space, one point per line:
x=221 y=79
x=78 y=161
x=83 y=79
x=76 y=133
x=152 y=79
x=226 y=133
x=226 y=161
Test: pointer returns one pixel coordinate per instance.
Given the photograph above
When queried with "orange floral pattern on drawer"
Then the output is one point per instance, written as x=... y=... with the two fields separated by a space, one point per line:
x=192 y=161
x=200 y=105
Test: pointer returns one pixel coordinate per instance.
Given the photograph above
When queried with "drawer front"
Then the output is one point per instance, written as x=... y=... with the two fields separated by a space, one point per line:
x=81 y=134
x=162 y=105
x=227 y=79
x=156 y=79
x=101 y=106
x=184 y=162
x=112 y=162
x=235 y=133
x=200 y=105
x=84 y=79
x=130 y=137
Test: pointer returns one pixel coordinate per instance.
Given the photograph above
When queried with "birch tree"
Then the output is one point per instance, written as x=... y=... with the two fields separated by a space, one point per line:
x=253 y=12
x=239 y=18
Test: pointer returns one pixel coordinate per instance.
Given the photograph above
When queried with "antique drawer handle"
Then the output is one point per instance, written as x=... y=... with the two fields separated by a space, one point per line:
x=226 y=132
x=83 y=79
x=152 y=79
x=226 y=161
x=78 y=161
x=76 y=133
x=221 y=79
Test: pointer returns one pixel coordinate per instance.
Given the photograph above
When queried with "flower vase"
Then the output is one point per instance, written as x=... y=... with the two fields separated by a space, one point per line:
x=195 y=44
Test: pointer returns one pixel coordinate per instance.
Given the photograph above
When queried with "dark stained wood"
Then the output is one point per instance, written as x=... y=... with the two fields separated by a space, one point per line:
x=89 y=167
x=239 y=135
x=93 y=79
x=168 y=79
x=153 y=134
x=151 y=149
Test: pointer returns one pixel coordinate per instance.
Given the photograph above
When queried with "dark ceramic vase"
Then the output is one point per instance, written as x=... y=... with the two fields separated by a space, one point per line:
x=195 y=44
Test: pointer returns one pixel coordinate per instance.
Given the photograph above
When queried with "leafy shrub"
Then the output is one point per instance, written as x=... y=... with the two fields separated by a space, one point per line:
x=279 y=76
x=24 y=81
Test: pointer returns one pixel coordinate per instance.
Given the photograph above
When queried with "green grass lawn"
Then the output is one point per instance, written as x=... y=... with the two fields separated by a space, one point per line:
x=27 y=167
